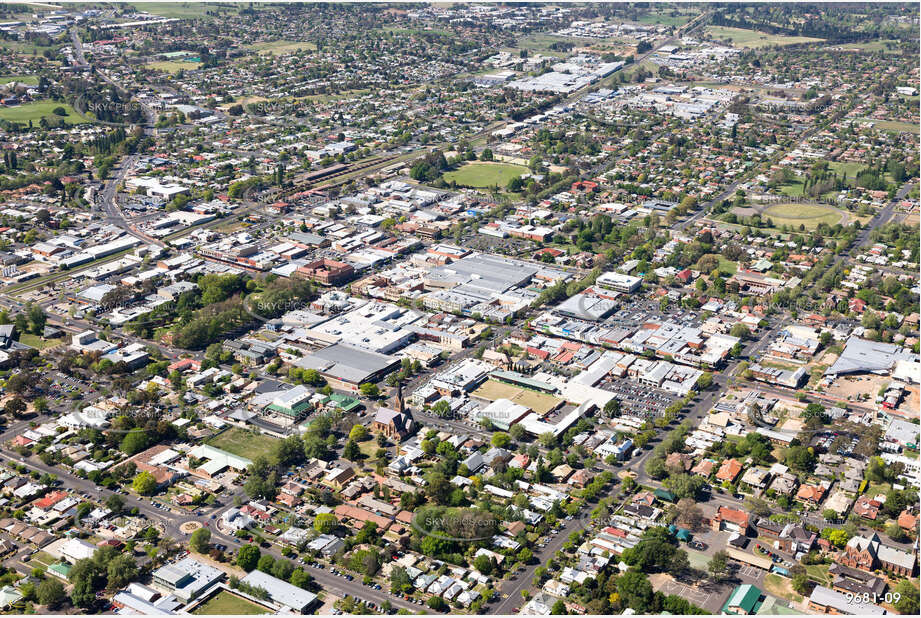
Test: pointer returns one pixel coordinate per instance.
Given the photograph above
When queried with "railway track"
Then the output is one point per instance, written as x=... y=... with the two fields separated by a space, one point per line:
x=304 y=182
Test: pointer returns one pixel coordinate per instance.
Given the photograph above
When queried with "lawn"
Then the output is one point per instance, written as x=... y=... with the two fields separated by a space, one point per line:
x=740 y=37
x=243 y=443
x=34 y=341
x=818 y=573
x=794 y=189
x=282 y=47
x=780 y=587
x=483 y=174
x=850 y=168
x=184 y=10
x=226 y=603
x=874 y=489
x=31 y=80
x=870 y=46
x=665 y=19
x=172 y=66
x=35 y=111
x=539 y=402
x=893 y=125
x=542 y=41
x=44 y=558
x=809 y=215
x=778 y=365
x=728 y=267
x=368 y=448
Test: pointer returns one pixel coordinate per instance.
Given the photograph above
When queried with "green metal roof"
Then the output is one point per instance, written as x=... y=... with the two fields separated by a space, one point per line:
x=295 y=411
x=345 y=403
x=522 y=380
x=745 y=596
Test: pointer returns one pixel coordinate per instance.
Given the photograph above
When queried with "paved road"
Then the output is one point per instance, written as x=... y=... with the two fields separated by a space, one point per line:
x=511 y=589
x=171 y=521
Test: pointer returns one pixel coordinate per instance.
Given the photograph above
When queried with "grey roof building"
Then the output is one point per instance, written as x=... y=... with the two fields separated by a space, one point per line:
x=281 y=592
x=863 y=356
x=187 y=578
x=824 y=599
x=348 y=364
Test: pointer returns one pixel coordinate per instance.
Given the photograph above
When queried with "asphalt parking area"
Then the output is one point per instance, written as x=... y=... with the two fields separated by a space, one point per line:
x=746 y=570
x=700 y=598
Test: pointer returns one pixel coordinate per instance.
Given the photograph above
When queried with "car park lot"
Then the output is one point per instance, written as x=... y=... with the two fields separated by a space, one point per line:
x=638 y=399
x=709 y=598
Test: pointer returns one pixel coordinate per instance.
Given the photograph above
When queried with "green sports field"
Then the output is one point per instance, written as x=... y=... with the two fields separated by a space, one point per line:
x=282 y=47
x=484 y=174
x=172 y=66
x=226 y=603
x=31 y=80
x=809 y=215
x=740 y=37
x=892 y=125
x=34 y=112
x=541 y=403
x=243 y=443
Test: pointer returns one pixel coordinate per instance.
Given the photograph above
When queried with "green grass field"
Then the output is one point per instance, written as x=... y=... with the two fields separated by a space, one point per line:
x=185 y=10
x=753 y=39
x=780 y=587
x=819 y=573
x=34 y=112
x=810 y=215
x=34 y=341
x=31 y=80
x=402 y=31
x=794 y=189
x=892 y=125
x=226 y=603
x=541 y=42
x=871 y=46
x=243 y=443
x=728 y=267
x=25 y=47
x=282 y=47
x=485 y=174
x=665 y=18
x=172 y=66
x=539 y=402
x=850 y=168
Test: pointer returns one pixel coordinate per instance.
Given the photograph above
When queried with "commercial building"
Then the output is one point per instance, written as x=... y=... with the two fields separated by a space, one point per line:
x=346 y=367
x=293 y=403
x=326 y=272
x=218 y=460
x=187 y=578
x=827 y=601
x=864 y=356
x=619 y=282
x=781 y=377
x=281 y=592
x=503 y=413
